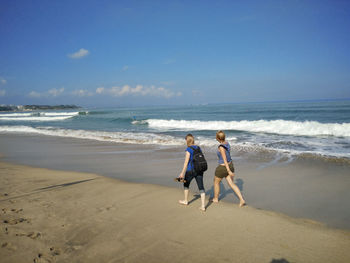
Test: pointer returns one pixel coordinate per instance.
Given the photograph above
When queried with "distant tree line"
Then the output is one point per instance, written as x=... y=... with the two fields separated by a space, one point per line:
x=36 y=107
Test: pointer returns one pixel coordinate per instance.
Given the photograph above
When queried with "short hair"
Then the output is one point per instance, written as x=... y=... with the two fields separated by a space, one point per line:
x=189 y=139
x=220 y=135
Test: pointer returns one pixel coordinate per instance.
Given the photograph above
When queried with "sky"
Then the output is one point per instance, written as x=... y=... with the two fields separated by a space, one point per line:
x=136 y=53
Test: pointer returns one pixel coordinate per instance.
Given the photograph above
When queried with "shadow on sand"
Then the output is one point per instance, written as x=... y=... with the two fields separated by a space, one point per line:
x=48 y=188
x=282 y=260
x=63 y=185
x=225 y=190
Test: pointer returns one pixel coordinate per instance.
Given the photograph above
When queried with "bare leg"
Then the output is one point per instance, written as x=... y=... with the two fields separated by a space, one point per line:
x=217 y=181
x=236 y=190
x=185 y=201
x=203 y=202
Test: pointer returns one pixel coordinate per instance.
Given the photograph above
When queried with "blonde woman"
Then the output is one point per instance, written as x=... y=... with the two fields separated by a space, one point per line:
x=225 y=169
x=188 y=173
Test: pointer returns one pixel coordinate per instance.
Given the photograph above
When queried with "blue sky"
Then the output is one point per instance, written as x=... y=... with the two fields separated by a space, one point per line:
x=130 y=53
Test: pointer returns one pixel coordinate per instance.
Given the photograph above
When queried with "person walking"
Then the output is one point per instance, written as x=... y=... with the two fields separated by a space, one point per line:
x=225 y=169
x=188 y=173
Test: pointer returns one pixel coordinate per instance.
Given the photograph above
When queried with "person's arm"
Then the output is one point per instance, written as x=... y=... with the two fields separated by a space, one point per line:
x=187 y=158
x=223 y=154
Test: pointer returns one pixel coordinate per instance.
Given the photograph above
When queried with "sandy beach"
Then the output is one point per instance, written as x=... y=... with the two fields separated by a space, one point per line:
x=59 y=216
x=304 y=188
x=100 y=100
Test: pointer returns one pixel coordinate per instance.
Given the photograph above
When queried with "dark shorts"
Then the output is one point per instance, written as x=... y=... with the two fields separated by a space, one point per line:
x=221 y=171
x=199 y=179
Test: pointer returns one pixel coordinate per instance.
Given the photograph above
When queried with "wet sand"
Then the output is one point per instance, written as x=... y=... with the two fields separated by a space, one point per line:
x=58 y=216
x=304 y=188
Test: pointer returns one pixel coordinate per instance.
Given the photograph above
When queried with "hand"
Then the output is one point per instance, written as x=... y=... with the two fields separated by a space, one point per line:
x=181 y=175
x=231 y=174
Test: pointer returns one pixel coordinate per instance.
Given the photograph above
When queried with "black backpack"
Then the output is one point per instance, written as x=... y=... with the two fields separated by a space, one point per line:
x=199 y=163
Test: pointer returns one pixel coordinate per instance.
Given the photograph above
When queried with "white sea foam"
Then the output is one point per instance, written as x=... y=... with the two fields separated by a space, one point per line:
x=118 y=137
x=15 y=114
x=59 y=113
x=38 y=116
x=37 y=113
x=306 y=128
x=167 y=140
x=33 y=118
x=211 y=142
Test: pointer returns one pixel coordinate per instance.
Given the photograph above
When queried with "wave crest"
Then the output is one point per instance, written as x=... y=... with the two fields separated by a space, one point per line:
x=39 y=116
x=283 y=127
x=118 y=137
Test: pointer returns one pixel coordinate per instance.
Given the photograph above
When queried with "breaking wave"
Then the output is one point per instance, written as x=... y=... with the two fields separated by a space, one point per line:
x=283 y=127
x=39 y=116
x=118 y=137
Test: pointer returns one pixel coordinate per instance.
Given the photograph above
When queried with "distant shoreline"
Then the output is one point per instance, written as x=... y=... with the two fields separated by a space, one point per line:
x=12 y=108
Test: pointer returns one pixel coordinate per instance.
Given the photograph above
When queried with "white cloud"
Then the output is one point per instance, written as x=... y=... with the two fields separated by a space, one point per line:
x=82 y=93
x=35 y=94
x=139 y=90
x=100 y=90
x=79 y=54
x=126 y=90
x=3 y=81
x=50 y=93
x=2 y=92
x=55 y=92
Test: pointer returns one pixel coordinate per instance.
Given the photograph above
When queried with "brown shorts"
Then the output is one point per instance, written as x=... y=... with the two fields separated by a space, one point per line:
x=221 y=170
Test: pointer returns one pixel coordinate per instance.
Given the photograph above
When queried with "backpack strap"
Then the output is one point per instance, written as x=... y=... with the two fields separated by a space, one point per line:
x=193 y=154
x=192 y=157
x=195 y=148
x=221 y=145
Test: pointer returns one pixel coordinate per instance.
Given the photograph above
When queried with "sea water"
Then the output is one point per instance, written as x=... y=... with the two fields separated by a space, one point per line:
x=285 y=128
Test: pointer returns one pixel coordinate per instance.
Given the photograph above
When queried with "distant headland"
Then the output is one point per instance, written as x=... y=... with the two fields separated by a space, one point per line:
x=36 y=107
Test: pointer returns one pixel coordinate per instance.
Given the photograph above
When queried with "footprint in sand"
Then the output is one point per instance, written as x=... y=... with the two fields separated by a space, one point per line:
x=55 y=251
x=9 y=246
x=16 y=210
x=15 y=221
x=32 y=235
x=42 y=258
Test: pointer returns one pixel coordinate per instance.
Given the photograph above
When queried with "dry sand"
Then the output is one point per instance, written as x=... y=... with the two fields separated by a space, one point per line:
x=56 y=216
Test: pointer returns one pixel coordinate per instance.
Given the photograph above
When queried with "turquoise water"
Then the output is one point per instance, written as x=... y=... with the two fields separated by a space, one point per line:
x=319 y=128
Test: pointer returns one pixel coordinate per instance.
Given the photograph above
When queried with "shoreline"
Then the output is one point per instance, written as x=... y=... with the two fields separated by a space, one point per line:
x=306 y=188
x=296 y=189
x=80 y=217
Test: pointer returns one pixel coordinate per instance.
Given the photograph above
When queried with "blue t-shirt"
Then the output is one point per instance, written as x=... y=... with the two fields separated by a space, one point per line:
x=227 y=151
x=190 y=162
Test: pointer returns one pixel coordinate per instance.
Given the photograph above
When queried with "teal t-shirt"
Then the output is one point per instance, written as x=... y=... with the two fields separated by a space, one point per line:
x=227 y=151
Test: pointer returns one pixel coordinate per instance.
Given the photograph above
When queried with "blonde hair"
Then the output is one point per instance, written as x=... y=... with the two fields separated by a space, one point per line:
x=220 y=135
x=189 y=139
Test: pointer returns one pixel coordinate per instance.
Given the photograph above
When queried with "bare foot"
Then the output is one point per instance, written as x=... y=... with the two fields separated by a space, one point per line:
x=215 y=200
x=242 y=203
x=202 y=209
x=183 y=202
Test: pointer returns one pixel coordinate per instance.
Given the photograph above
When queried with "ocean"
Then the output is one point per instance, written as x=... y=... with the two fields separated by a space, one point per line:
x=284 y=129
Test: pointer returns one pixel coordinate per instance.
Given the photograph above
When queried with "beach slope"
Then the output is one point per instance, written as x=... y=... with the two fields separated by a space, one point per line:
x=56 y=216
